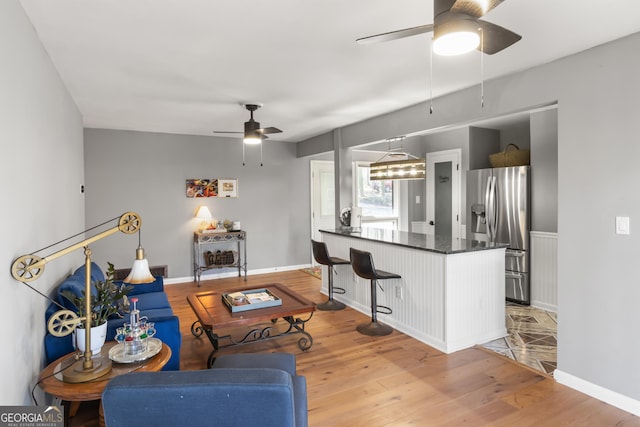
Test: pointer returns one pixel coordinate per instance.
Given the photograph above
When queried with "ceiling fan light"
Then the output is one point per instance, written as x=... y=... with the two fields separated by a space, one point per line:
x=456 y=43
x=252 y=137
x=252 y=140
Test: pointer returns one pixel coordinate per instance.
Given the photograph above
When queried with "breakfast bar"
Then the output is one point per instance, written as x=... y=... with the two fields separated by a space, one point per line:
x=452 y=292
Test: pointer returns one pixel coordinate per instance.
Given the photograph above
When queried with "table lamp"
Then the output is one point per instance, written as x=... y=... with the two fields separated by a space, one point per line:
x=205 y=217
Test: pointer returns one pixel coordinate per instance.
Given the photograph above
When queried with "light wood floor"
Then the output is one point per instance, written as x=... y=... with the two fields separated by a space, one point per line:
x=355 y=380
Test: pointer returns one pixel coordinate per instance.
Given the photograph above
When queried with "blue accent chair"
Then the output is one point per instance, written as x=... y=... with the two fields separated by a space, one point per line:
x=240 y=390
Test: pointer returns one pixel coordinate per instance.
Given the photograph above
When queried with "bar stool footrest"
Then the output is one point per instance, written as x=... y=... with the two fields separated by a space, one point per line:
x=383 y=309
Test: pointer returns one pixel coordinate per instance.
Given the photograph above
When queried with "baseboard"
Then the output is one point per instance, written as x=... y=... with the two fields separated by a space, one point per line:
x=611 y=397
x=544 y=306
x=176 y=280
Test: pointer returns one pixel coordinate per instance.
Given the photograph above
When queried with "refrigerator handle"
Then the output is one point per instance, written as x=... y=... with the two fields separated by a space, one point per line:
x=494 y=210
x=487 y=200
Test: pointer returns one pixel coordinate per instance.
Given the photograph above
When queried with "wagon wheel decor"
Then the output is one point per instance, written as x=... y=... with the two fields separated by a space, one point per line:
x=62 y=323
x=129 y=223
x=27 y=268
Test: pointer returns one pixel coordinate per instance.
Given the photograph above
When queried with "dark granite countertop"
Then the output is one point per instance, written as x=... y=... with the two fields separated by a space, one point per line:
x=418 y=241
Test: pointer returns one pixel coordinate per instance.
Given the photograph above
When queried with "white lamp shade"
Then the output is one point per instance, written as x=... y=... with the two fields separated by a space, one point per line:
x=140 y=273
x=203 y=213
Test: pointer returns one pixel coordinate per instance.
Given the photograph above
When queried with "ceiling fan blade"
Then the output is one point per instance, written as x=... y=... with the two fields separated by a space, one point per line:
x=394 y=35
x=475 y=8
x=225 y=131
x=442 y=6
x=269 y=130
x=496 y=38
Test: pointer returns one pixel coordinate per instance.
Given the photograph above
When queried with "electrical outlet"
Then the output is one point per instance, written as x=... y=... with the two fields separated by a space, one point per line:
x=622 y=225
x=399 y=292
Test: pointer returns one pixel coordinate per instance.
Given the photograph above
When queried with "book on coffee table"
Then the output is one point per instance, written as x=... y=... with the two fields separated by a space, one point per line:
x=250 y=300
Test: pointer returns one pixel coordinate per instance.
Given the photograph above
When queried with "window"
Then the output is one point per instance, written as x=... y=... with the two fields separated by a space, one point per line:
x=378 y=199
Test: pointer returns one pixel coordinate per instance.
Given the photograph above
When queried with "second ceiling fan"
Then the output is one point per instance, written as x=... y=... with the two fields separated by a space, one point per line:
x=455 y=21
x=253 y=133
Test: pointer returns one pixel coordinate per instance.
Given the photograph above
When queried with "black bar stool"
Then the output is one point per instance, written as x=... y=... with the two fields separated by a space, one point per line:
x=362 y=263
x=321 y=256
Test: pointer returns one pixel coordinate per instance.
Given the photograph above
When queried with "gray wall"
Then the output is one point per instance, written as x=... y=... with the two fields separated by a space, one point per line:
x=597 y=94
x=519 y=135
x=482 y=143
x=544 y=173
x=41 y=172
x=146 y=173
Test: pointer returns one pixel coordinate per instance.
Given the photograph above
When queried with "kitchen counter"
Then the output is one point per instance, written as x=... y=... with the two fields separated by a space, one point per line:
x=419 y=241
x=452 y=292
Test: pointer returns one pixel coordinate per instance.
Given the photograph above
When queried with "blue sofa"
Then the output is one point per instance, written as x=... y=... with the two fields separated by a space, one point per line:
x=152 y=302
x=240 y=390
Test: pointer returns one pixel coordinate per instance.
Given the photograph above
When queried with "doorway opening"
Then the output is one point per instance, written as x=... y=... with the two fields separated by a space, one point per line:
x=323 y=215
x=443 y=193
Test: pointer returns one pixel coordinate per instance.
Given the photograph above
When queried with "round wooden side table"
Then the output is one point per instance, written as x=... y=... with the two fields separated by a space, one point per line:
x=50 y=379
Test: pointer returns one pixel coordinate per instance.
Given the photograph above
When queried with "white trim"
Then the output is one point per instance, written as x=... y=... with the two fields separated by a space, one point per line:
x=546 y=234
x=608 y=396
x=186 y=279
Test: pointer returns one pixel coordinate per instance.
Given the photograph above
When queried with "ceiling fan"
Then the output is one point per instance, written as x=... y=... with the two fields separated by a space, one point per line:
x=253 y=133
x=457 y=29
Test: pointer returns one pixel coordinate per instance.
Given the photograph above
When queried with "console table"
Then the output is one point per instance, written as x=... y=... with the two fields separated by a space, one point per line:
x=202 y=240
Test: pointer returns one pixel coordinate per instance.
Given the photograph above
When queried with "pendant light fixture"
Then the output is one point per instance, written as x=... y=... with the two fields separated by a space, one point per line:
x=397 y=164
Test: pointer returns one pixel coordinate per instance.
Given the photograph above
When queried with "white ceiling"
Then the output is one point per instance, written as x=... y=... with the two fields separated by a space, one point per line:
x=185 y=66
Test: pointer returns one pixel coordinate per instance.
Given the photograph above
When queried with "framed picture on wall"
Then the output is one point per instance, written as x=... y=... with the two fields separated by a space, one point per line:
x=227 y=188
x=202 y=187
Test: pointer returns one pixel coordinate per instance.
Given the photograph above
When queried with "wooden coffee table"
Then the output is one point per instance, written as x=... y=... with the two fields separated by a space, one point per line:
x=50 y=379
x=213 y=314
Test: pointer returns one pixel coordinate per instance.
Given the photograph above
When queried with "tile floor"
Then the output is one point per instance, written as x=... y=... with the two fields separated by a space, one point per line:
x=532 y=337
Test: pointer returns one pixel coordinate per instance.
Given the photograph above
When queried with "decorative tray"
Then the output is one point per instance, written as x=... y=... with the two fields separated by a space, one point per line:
x=116 y=353
x=250 y=300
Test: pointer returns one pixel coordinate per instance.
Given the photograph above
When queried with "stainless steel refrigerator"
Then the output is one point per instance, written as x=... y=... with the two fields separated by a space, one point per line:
x=498 y=210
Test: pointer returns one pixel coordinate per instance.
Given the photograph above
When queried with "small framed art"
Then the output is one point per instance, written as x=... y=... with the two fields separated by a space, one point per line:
x=227 y=188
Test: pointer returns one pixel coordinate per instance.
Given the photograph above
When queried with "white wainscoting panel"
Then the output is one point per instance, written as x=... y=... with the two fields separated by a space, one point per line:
x=544 y=270
x=475 y=305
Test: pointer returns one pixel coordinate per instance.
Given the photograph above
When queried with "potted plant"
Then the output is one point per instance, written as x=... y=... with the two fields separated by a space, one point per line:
x=108 y=300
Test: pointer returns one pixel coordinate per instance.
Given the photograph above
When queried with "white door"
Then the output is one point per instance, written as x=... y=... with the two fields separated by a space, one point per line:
x=443 y=193
x=322 y=197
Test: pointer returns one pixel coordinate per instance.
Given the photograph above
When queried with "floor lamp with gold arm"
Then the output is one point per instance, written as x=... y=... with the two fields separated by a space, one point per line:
x=29 y=267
